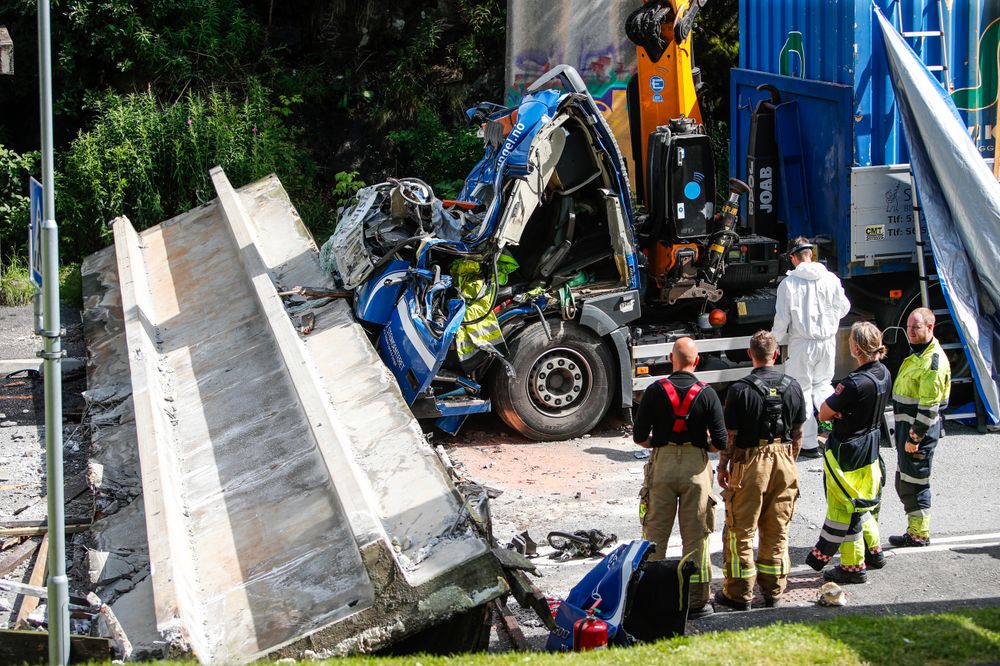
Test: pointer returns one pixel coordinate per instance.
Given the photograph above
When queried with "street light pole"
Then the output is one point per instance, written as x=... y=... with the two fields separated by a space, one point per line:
x=58 y=602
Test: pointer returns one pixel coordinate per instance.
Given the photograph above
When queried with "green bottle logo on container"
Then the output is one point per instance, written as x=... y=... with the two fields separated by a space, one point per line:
x=984 y=94
x=792 y=60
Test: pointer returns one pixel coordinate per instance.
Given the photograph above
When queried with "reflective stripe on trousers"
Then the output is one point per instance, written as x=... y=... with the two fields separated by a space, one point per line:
x=763 y=489
x=913 y=478
x=679 y=485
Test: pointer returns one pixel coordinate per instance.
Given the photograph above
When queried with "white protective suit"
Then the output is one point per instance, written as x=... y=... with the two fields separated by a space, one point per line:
x=811 y=303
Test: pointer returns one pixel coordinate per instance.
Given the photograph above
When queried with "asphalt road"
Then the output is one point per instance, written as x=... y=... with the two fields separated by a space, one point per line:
x=592 y=482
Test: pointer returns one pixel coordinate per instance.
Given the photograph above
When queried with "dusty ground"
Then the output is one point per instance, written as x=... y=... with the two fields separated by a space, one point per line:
x=592 y=482
x=23 y=480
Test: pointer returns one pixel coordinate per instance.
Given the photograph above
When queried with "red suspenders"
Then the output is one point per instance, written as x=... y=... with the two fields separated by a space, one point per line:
x=681 y=408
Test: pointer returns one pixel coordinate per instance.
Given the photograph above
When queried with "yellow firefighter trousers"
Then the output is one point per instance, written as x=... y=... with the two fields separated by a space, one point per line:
x=763 y=489
x=679 y=482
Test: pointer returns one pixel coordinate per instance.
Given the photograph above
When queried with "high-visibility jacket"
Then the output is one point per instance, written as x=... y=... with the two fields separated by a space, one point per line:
x=922 y=388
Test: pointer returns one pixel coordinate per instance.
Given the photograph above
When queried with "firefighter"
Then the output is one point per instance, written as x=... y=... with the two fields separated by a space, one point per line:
x=810 y=305
x=854 y=473
x=685 y=418
x=764 y=416
x=919 y=395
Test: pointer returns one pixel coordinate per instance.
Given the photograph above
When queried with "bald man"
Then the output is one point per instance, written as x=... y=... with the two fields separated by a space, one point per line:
x=681 y=419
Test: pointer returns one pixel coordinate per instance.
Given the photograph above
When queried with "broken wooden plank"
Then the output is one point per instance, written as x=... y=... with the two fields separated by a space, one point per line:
x=32 y=647
x=123 y=646
x=13 y=557
x=33 y=528
x=75 y=602
x=24 y=589
x=37 y=579
x=511 y=626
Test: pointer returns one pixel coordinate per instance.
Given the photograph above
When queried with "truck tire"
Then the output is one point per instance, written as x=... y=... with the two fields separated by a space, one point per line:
x=563 y=386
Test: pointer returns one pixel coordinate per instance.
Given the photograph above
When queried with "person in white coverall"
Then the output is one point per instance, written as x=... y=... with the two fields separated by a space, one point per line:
x=811 y=302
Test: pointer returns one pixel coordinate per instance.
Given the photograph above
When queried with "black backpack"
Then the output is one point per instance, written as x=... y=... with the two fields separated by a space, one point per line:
x=773 y=402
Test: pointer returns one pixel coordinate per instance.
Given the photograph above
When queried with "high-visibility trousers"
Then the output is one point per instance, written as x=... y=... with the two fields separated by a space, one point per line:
x=763 y=489
x=678 y=483
x=852 y=501
x=913 y=479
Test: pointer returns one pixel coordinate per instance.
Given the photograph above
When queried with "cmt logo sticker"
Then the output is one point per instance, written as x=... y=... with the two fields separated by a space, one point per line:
x=875 y=232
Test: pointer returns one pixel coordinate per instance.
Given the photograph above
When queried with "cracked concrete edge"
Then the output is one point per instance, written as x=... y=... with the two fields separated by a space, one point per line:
x=401 y=610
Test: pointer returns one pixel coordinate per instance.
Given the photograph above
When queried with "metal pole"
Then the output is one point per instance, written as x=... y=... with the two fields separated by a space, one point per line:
x=918 y=237
x=58 y=602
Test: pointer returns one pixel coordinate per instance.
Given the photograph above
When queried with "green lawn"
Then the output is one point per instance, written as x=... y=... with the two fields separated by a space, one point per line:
x=961 y=637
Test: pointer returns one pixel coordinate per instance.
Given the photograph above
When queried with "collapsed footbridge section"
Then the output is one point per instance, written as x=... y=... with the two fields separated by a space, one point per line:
x=290 y=497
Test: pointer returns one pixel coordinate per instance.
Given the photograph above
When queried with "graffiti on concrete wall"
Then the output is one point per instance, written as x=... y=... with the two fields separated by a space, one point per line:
x=542 y=35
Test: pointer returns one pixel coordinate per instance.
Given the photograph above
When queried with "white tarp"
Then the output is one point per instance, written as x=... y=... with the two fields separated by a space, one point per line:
x=961 y=206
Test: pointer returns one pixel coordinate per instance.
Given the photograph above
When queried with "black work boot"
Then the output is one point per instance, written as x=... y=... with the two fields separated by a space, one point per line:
x=874 y=560
x=843 y=577
x=774 y=602
x=907 y=540
x=698 y=612
x=721 y=598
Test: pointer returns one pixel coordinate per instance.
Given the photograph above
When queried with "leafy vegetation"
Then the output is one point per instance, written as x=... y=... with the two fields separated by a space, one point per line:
x=14 y=213
x=71 y=284
x=346 y=185
x=340 y=93
x=15 y=286
x=150 y=161
x=436 y=154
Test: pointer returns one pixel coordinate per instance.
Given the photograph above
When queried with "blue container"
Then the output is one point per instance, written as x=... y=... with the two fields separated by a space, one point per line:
x=827 y=57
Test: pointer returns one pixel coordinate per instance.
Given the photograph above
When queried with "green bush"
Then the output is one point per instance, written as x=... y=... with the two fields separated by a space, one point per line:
x=14 y=213
x=71 y=285
x=346 y=185
x=15 y=285
x=150 y=161
x=178 y=44
x=437 y=154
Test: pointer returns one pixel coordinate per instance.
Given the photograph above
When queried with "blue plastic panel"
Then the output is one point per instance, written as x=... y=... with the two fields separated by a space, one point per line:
x=825 y=120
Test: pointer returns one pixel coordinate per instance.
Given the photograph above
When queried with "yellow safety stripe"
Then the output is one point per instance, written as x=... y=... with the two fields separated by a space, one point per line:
x=736 y=569
x=774 y=570
x=680 y=580
x=705 y=569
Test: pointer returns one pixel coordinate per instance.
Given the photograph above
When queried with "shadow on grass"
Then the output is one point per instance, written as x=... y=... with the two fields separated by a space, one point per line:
x=959 y=637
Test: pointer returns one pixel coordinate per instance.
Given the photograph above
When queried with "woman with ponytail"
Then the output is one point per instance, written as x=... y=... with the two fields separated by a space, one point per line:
x=854 y=473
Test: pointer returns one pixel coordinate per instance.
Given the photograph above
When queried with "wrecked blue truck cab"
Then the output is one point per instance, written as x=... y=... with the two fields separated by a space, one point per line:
x=516 y=297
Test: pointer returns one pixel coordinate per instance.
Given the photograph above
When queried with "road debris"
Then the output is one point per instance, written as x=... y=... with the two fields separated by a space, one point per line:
x=581 y=543
x=831 y=594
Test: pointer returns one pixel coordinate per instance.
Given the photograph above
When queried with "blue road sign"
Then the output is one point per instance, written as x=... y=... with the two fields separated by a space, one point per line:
x=35 y=232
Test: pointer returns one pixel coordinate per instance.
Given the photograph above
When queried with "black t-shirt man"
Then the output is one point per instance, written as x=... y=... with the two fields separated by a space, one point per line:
x=856 y=398
x=656 y=414
x=746 y=410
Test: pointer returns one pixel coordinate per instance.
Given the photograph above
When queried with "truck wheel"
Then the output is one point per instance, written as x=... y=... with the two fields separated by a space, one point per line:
x=563 y=386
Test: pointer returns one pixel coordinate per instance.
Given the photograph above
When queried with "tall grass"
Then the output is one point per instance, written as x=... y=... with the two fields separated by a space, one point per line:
x=15 y=285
